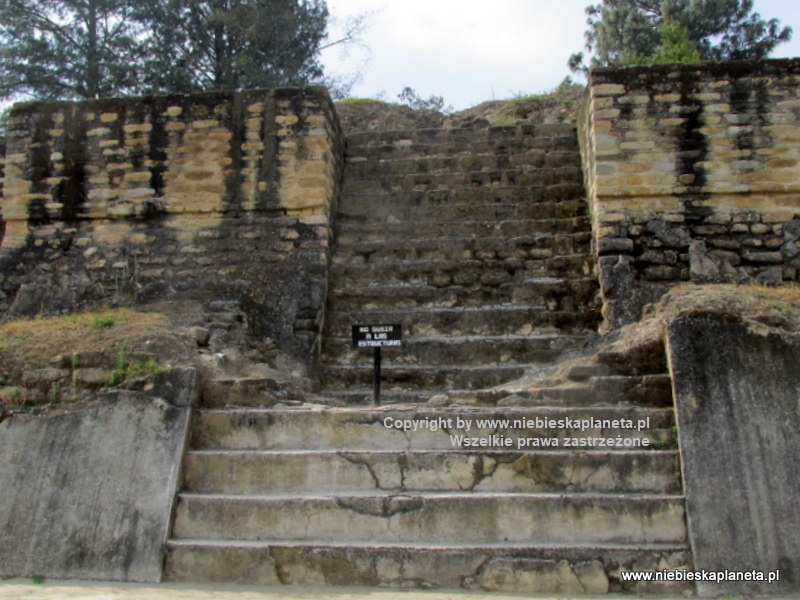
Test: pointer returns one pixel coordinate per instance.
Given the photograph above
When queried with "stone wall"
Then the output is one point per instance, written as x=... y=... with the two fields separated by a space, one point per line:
x=216 y=197
x=738 y=416
x=89 y=494
x=692 y=175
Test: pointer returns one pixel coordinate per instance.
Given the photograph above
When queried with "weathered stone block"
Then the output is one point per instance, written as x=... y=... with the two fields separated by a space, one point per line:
x=737 y=414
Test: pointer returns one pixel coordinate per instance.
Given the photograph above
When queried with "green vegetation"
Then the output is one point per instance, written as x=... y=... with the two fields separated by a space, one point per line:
x=48 y=361
x=643 y=32
x=104 y=322
x=666 y=442
x=361 y=101
x=79 y=49
x=412 y=99
x=127 y=369
x=675 y=48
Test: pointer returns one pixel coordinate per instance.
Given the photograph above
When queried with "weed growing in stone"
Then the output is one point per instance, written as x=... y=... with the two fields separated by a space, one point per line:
x=103 y=322
x=127 y=369
x=121 y=369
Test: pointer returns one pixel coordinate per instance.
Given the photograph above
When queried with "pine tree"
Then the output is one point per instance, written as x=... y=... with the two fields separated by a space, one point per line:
x=78 y=49
x=53 y=49
x=624 y=32
x=233 y=44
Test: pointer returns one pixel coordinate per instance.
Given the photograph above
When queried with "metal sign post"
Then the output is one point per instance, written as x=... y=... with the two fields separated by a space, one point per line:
x=377 y=337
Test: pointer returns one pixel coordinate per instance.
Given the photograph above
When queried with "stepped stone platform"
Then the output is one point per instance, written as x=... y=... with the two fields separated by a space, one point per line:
x=478 y=243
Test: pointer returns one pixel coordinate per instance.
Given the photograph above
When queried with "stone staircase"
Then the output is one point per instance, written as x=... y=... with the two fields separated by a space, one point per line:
x=317 y=495
x=477 y=242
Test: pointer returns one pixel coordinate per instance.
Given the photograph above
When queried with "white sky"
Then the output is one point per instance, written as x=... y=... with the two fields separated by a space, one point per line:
x=469 y=51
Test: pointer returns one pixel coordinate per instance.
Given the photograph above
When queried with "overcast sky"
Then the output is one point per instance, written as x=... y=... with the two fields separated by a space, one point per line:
x=469 y=51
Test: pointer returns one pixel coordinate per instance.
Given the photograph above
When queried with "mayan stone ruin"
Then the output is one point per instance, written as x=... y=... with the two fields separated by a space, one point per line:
x=593 y=379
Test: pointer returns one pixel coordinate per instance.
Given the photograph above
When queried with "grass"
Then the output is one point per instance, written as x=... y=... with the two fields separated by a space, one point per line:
x=102 y=340
x=104 y=322
x=361 y=101
x=128 y=369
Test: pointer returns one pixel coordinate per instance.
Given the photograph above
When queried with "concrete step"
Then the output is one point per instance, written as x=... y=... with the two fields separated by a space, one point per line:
x=446 y=272
x=369 y=208
x=551 y=293
x=365 y=245
x=526 y=229
x=523 y=176
x=460 y=350
x=364 y=429
x=490 y=320
x=503 y=567
x=328 y=472
x=435 y=518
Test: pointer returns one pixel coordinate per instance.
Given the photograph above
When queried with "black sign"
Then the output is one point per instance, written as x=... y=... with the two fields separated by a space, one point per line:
x=377 y=336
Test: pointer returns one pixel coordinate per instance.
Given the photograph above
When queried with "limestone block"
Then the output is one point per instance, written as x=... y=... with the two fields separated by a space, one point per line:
x=778 y=216
x=98 y=132
x=607 y=89
x=138 y=177
x=137 y=128
x=205 y=124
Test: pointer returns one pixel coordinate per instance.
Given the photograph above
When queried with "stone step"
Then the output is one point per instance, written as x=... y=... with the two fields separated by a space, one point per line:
x=387 y=209
x=363 y=396
x=647 y=390
x=535 y=247
x=328 y=472
x=434 y=518
x=362 y=429
x=412 y=376
x=518 y=194
x=495 y=139
x=249 y=391
x=490 y=320
x=466 y=156
x=524 y=231
x=463 y=272
x=552 y=293
x=460 y=350
x=570 y=569
x=523 y=176
x=379 y=168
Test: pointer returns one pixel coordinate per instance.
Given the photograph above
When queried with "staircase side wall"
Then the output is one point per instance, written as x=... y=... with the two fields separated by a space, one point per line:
x=88 y=494
x=692 y=175
x=738 y=417
x=210 y=197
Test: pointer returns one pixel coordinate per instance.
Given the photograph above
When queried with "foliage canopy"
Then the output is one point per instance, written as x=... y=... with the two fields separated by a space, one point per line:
x=626 y=32
x=78 y=49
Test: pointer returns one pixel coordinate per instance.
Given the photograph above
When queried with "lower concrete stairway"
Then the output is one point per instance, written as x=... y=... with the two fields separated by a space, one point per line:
x=468 y=477
x=398 y=496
